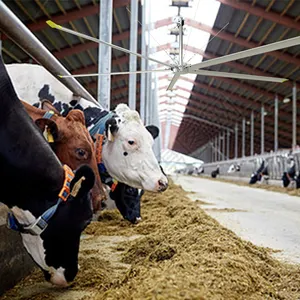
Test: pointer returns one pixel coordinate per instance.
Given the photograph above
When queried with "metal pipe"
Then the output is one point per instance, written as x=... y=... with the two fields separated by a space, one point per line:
x=228 y=144
x=24 y=38
x=143 y=65
x=104 y=54
x=276 y=124
x=262 y=145
x=181 y=42
x=294 y=116
x=219 y=147
x=236 y=141
x=216 y=148
x=223 y=146
x=243 y=136
x=133 y=58
x=252 y=134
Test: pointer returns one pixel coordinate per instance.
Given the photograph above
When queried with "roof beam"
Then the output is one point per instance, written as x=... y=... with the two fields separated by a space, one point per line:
x=71 y=15
x=260 y=12
x=231 y=38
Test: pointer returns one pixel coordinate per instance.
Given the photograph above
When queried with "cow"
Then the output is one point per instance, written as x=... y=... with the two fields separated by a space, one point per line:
x=70 y=140
x=262 y=173
x=49 y=206
x=290 y=176
x=234 y=168
x=215 y=173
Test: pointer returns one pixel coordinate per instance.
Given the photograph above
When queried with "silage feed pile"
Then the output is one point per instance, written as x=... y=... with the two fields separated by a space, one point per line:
x=176 y=252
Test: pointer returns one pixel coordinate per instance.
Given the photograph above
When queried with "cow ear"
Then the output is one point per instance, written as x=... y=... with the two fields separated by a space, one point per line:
x=47 y=105
x=48 y=128
x=111 y=128
x=76 y=115
x=82 y=182
x=153 y=130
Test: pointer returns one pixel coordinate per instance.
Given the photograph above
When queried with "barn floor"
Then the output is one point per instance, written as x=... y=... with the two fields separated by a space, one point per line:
x=263 y=217
x=177 y=252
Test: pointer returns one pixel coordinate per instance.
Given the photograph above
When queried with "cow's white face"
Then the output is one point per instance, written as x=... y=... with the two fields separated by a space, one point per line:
x=128 y=155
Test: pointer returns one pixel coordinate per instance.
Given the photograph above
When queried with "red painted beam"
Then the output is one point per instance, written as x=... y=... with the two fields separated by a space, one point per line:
x=94 y=68
x=260 y=12
x=231 y=38
x=71 y=15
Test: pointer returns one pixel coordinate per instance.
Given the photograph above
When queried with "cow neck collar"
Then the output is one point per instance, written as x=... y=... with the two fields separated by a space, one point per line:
x=105 y=177
x=41 y=223
x=99 y=127
x=48 y=114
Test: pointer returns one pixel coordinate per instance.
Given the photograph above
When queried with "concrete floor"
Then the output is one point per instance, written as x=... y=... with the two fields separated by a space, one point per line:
x=265 y=218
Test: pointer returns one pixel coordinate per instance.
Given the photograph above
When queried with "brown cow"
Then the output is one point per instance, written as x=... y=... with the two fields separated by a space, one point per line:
x=73 y=144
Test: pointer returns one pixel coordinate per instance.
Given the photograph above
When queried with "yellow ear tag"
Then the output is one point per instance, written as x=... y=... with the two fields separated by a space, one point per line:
x=50 y=137
x=110 y=137
x=77 y=187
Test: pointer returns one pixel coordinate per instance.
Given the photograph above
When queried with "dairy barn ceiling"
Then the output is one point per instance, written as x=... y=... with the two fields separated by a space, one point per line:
x=222 y=102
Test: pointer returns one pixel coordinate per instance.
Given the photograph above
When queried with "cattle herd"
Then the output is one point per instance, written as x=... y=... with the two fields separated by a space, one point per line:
x=60 y=160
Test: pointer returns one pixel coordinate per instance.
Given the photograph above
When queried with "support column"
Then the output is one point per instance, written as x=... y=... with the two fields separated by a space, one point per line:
x=104 y=57
x=216 y=148
x=243 y=136
x=262 y=127
x=212 y=151
x=223 y=146
x=228 y=144
x=294 y=144
x=143 y=65
x=252 y=134
x=276 y=124
x=133 y=58
x=236 y=141
x=219 y=147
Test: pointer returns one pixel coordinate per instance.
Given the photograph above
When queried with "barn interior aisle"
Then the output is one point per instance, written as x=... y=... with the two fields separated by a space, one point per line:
x=263 y=217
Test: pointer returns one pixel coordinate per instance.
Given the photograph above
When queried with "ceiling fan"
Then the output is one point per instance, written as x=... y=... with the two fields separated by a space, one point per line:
x=180 y=67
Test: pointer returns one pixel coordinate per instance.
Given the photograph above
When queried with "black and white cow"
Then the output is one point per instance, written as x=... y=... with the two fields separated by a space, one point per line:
x=215 y=173
x=234 y=168
x=290 y=176
x=261 y=175
x=36 y=187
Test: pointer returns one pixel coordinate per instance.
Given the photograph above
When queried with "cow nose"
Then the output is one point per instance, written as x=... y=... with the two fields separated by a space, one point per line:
x=162 y=185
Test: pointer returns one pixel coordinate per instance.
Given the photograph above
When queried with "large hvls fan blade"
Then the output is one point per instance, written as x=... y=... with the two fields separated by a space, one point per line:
x=61 y=28
x=238 y=76
x=173 y=81
x=114 y=73
x=247 y=53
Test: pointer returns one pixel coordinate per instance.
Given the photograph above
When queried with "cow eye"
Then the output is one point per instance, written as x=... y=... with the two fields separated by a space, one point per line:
x=130 y=142
x=80 y=152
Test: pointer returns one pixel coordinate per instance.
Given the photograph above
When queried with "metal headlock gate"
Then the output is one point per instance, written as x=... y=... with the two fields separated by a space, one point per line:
x=278 y=163
x=11 y=26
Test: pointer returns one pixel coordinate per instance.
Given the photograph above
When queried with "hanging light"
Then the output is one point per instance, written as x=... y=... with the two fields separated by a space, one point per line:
x=286 y=100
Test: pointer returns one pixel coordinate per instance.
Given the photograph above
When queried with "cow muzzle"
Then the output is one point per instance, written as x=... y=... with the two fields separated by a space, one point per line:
x=58 y=278
x=162 y=185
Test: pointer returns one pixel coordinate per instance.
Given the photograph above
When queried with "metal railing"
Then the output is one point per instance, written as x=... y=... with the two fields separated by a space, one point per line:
x=278 y=163
x=11 y=26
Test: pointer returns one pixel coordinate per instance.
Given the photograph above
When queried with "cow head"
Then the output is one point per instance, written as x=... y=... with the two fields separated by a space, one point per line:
x=127 y=152
x=73 y=144
x=55 y=250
